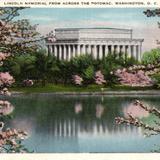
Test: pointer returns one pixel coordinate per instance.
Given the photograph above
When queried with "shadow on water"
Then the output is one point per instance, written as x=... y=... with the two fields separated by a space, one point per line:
x=79 y=123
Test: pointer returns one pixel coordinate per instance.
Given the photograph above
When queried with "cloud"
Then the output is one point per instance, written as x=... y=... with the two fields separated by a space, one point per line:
x=42 y=19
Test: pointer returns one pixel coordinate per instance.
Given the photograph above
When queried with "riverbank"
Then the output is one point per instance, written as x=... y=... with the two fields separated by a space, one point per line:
x=88 y=90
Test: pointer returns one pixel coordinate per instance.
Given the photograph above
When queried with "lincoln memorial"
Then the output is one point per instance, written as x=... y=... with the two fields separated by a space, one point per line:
x=99 y=42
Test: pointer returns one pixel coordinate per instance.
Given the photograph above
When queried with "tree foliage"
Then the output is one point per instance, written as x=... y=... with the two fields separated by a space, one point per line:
x=151 y=57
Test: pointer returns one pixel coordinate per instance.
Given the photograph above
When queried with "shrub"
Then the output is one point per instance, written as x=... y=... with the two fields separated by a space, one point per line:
x=151 y=57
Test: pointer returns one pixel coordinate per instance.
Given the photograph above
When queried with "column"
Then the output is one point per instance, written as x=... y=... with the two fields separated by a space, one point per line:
x=111 y=50
x=139 y=52
x=47 y=48
x=83 y=49
x=69 y=52
x=74 y=50
x=106 y=51
x=89 y=49
x=55 y=50
x=100 y=52
x=129 y=51
x=60 y=52
x=118 y=51
x=95 y=52
x=123 y=51
x=78 y=50
x=50 y=49
x=134 y=52
x=64 y=52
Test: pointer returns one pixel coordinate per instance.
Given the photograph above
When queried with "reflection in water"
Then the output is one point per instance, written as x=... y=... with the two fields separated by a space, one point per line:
x=99 y=110
x=25 y=124
x=78 y=108
x=78 y=124
x=6 y=108
x=135 y=110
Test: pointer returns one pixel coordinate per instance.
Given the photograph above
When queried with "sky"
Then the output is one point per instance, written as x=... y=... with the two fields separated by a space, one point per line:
x=129 y=18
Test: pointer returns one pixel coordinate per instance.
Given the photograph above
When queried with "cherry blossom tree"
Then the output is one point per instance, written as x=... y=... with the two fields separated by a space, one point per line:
x=15 y=37
x=137 y=78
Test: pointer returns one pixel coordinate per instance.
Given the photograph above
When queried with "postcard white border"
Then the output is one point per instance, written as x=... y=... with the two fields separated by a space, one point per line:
x=81 y=156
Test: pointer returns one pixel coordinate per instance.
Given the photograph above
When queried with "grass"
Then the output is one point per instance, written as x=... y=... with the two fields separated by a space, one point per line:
x=57 y=88
x=70 y=88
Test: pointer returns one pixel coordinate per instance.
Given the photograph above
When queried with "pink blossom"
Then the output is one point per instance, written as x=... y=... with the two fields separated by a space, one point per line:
x=6 y=79
x=99 y=78
x=28 y=82
x=136 y=78
x=77 y=80
x=3 y=56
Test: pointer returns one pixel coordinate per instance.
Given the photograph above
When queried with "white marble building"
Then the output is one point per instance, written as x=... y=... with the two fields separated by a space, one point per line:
x=99 y=42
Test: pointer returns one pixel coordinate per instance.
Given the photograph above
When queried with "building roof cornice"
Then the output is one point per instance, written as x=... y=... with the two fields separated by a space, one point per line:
x=100 y=28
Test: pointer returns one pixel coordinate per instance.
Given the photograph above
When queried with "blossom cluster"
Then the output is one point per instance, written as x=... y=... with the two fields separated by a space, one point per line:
x=6 y=79
x=28 y=82
x=149 y=69
x=3 y=56
x=9 y=140
x=137 y=78
x=77 y=80
x=99 y=78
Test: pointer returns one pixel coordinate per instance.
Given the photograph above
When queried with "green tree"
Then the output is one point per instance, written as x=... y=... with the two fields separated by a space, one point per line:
x=88 y=74
x=46 y=67
x=151 y=57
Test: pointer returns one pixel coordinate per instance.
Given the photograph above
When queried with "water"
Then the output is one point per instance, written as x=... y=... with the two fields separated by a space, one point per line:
x=80 y=123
